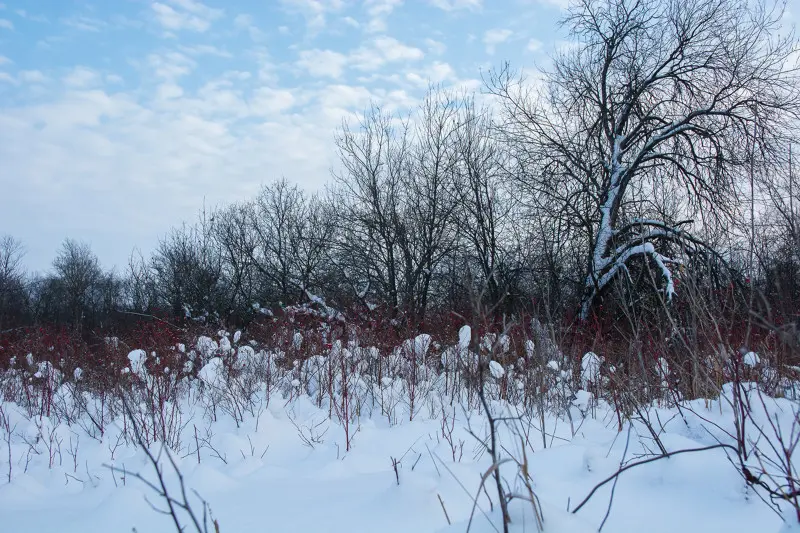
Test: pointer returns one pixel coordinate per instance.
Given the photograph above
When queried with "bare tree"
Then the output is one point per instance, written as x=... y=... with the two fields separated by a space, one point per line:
x=373 y=157
x=485 y=216
x=77 y=275
x=235 y=235
x=426 y=228
x=187 y=269
x=12 y=288
x=397 y=188
x=291 y=234
x=140 y=288
x=652 y=91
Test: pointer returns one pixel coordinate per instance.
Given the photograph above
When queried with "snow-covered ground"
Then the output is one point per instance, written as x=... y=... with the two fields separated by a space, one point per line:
x=285 y=467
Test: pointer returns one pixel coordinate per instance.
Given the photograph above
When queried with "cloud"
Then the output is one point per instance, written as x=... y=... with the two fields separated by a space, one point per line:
x=493 y=37
x=314 y=11
x=437 y=72
x=118 y=147
x=322 y=63
x=456 y=5
x=205 y=50
x=350 y=21
x=4 y=60
x=29 y=16
x=243 y=21
x=83 y=23
x=82 y=77
x=338 y=100
x=170 y=65
x=6 y=24
x=372 y=55
x=381 y=50
x=534 y=45
x=168 y=91
x=32 y=76
x=246 y=22
x=378 y=11
x=559 y=4
x=381 y=8
x=165 y=156
x=267 y=101
x=436 y=47
x=186 y=15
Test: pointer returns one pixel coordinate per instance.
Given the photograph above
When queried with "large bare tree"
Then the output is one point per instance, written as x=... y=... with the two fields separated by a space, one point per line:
x=669 y=91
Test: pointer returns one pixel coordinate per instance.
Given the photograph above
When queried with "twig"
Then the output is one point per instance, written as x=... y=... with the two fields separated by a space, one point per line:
x=645 y=461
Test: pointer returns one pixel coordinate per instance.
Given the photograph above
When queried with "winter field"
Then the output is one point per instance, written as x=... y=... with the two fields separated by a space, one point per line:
x=256 y=438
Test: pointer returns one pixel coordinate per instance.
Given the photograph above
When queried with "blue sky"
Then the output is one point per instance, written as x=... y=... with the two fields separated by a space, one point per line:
x=120 y=118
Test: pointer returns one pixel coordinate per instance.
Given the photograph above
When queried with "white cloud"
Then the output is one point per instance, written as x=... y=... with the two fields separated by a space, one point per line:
x=455 y=5
x=243 y=21
x=164 y=156
x=560 y=4
x=32 y=76
x=441 y=72
x=84 y=23
x=30 y=16
x=493 y=37
x=322 y=63
x=534 y=45
x=381 y=50
x=186 y=15
x=350 y=21
x=237 y=75
x=381 y=8
x=169 y=130
x=267 y=101
x=246 y=22
x=337 y=100
x=314 y=11
x=205 y=50
x=378 y=11
x=376 y=25
x=168 y=91
x=170 y=66
x=436 y=47
x=4 y=23
x=4 y=60
x=81 y=78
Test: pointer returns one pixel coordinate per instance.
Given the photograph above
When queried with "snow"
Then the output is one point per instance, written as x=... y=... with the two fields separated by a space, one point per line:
x=464 y=337
x=273 y=482
x=206 y=346
x=212 y=372
x=418 y=347
x=496 y=370
x=283 y=464
x=590 y=370
x=137 y=359
x=751 y=359
x=225 y=344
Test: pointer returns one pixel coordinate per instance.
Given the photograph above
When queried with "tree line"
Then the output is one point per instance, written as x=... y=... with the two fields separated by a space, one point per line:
x=654 y=153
